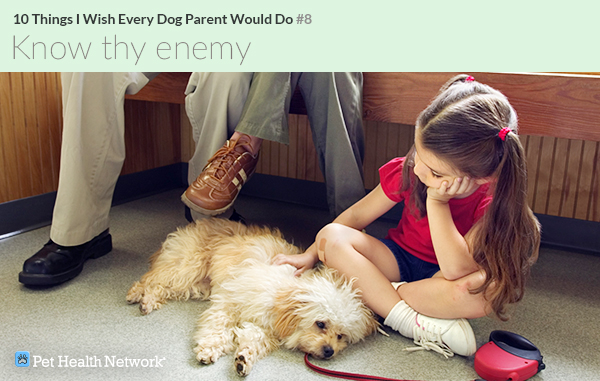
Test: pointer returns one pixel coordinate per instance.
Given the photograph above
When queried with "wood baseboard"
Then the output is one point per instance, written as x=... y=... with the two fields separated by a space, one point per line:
x=34 y=212
x=30 y=213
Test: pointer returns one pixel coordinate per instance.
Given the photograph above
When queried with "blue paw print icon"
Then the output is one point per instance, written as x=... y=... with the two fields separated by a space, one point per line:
x=22 y=359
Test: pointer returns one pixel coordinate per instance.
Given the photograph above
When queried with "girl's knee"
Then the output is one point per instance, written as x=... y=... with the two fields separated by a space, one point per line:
x=332 y=230
x=329 y=238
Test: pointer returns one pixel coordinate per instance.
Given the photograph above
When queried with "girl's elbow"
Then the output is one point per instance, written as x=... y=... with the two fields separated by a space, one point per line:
x=453 y=273
x=450 y=275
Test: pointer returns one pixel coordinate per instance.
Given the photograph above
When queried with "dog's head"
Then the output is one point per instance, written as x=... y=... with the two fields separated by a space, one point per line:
x=322 y=314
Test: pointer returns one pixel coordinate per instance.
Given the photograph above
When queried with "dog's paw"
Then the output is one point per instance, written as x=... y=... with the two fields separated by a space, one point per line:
x=201 y=291
x=207 y=355
x=151 y=301
x=146 y=308
x=242 y=365
x=135 y=293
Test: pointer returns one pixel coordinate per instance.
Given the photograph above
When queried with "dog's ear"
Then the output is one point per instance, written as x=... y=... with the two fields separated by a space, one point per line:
x=286 y=317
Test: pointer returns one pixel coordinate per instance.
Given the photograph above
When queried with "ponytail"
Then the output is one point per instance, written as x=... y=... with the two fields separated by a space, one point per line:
x=474 y=128
x=508 y=235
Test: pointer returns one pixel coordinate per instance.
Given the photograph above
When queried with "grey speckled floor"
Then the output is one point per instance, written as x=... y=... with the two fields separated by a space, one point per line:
x=89 y=316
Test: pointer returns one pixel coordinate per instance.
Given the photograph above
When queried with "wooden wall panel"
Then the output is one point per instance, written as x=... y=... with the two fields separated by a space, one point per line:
x=292 y=163
x=564 y=174
x=565 y=106
x=3 y=166
x=31 y=130
x=589 y=160
x=10 y=170
x=152 y=135
x=49 y=138
x=573 y=172
x=53 y=86
x=298 y=160
x=557 y=177
x=383 y=142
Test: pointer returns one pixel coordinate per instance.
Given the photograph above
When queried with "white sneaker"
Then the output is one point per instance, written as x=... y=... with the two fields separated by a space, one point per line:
x=445 y=336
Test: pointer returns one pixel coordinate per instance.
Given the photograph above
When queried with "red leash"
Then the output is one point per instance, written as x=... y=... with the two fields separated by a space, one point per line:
x=348 y=376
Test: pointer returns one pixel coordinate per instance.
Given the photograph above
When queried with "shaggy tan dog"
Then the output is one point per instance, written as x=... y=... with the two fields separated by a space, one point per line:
x=255 y=306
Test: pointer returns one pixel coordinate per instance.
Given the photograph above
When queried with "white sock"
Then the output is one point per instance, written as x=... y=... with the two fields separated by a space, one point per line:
x=397 y=285
x=402 y=318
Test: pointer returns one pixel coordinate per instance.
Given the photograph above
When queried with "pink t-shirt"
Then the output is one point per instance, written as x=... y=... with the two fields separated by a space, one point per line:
x=412 y=233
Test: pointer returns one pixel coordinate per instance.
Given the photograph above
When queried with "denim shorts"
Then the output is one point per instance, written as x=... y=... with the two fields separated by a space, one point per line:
x=411 y=268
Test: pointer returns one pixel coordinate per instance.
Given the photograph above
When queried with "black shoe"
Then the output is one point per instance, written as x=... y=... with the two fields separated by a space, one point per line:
x=235 y=216
x=188 y=215
x=55 y=264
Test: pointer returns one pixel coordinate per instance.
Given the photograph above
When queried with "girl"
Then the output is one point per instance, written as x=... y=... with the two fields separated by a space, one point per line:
x=466 y=239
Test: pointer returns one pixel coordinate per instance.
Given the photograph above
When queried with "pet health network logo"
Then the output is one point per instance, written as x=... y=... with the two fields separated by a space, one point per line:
x=22 y=359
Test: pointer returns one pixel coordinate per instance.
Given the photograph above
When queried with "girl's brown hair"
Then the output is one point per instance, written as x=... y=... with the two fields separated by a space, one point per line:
x=461 y=126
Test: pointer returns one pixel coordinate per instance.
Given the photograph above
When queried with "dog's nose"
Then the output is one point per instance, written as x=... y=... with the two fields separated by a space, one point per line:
x=327 y=351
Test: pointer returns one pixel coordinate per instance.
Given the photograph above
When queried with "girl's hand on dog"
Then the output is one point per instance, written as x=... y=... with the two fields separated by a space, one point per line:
x=301 y=262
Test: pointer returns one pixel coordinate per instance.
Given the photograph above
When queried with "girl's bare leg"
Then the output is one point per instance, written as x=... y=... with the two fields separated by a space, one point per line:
x=441 y=298
x=358 y=255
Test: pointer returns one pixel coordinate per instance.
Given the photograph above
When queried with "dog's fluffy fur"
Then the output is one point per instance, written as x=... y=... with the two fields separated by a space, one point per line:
x=255 y=306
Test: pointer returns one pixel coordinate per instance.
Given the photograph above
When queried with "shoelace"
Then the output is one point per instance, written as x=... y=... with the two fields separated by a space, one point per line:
x=219 y=158
x=429 y=338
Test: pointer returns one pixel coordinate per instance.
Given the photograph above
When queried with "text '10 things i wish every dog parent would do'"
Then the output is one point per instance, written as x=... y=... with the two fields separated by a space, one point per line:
x=114 y=47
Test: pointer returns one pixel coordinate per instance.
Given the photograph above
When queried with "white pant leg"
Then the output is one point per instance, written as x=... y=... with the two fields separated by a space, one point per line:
x=214 y=104
x=92 y=152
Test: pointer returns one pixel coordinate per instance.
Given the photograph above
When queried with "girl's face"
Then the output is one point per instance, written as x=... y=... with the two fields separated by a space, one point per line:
x=430 y=169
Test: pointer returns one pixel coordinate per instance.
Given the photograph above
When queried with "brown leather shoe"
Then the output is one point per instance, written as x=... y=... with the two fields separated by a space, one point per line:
x=219 y=184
